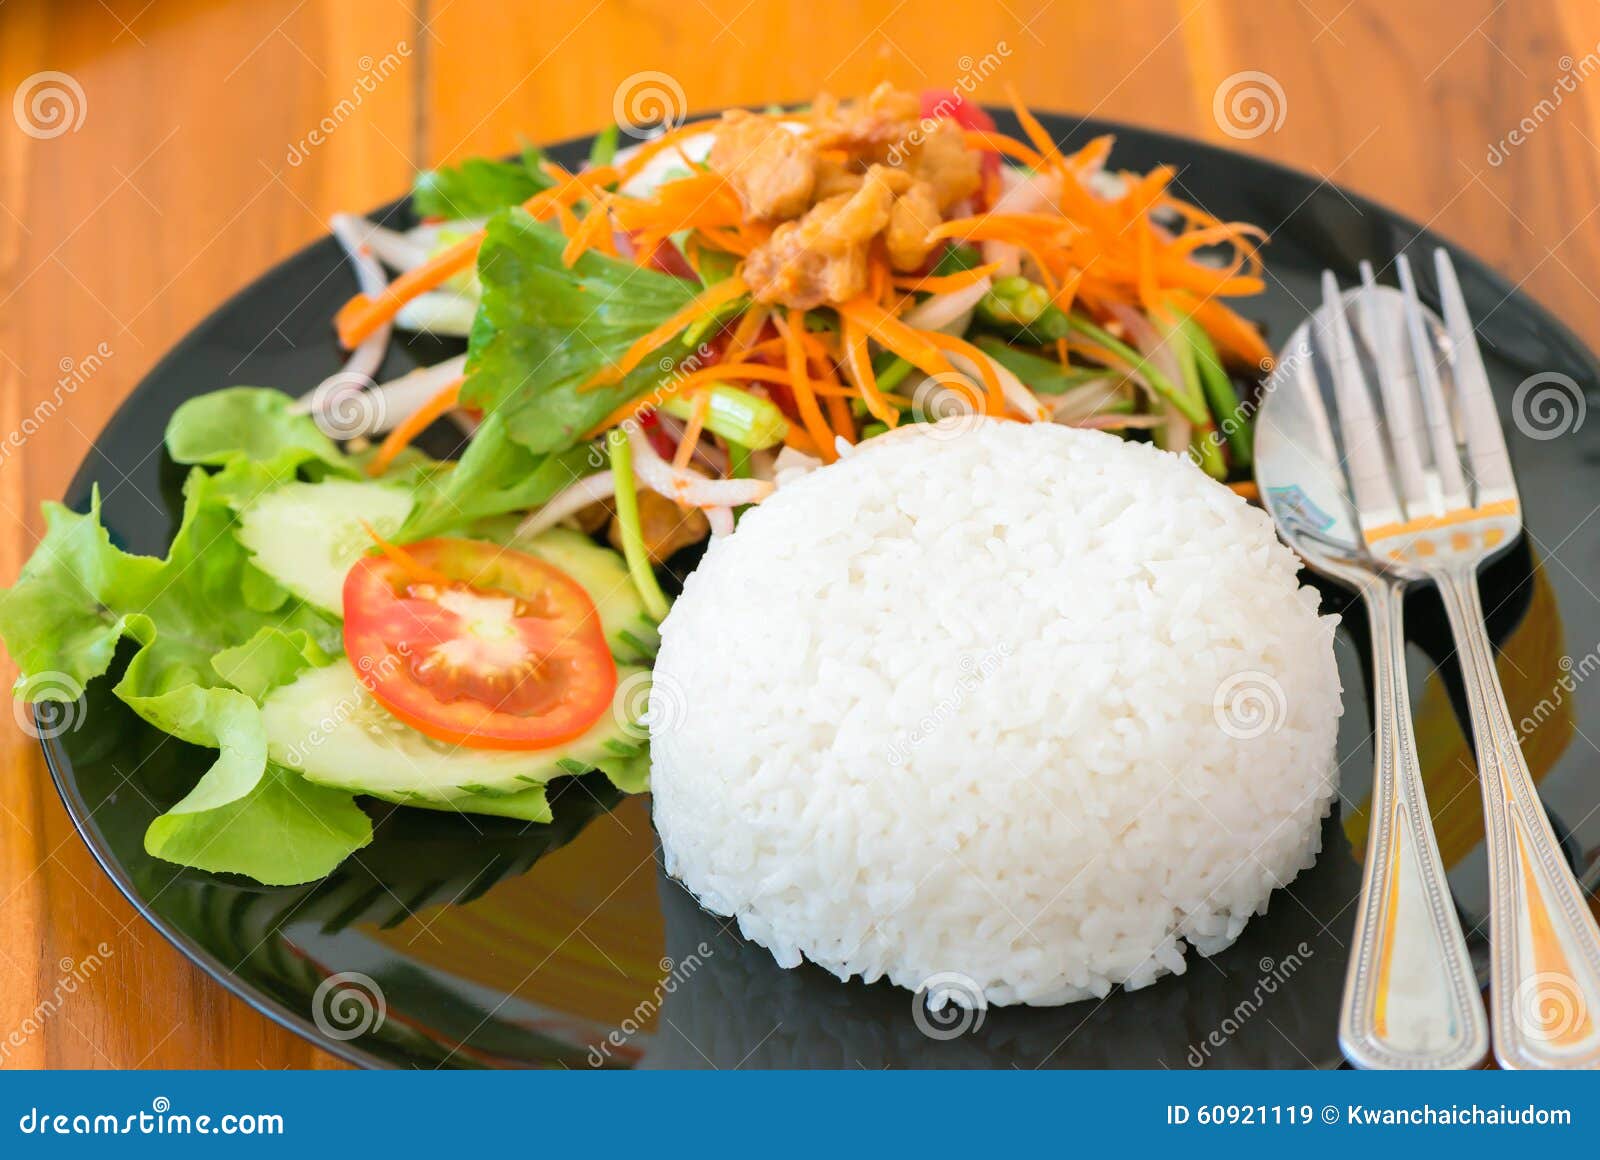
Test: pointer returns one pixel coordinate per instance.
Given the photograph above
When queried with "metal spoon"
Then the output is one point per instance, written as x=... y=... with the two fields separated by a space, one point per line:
x=1411 y=999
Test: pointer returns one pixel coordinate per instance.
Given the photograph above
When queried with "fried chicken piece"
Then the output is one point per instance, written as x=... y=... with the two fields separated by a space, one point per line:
x=594 y=517
x=915 y=212
x=834 y=178
x=666 y=526
x=823 y=256
x=946 y=164
x=882 y=119
x=773 y=170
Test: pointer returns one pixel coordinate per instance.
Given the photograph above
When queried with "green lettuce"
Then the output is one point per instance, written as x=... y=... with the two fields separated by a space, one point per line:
x=545 y=328
x=251 y=424
x=79 y=596
x=478 y=186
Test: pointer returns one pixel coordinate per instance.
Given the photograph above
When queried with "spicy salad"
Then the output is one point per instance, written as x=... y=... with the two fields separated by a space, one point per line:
x=654 y=341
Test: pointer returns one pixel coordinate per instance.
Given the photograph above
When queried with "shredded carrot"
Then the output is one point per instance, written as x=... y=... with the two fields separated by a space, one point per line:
x=707 y=303
x=1042 y=141
x=912 y=345
x=999 y=143
x=1236 y=339
x=859 y=365
x=747 y=329
x=800 y=441
x=590 y=231
x=655 y=145
x=945 y=283
x=692 y=430
x=996 y=401
x=415 y=424
x=721 y=373
x=362 y=315
x=1246 y=488
x=419 y=572
x=844 y=425
x=816 y=426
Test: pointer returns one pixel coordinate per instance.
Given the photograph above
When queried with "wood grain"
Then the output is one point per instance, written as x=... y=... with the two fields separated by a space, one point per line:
x=182 y=183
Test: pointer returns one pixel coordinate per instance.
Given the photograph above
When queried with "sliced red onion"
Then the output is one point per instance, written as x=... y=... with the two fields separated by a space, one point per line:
x=1085 y=400
x=1148 y=341
x=344 y=410
x=1020 y=398
x=439 y=312
x=360 y=368
x=567 y=503
x=948 y=313
x=688 y=487
x=1115 y=422
x=398 y=251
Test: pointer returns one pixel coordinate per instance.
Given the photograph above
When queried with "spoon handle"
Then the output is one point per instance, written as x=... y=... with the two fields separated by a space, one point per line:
x=1544 y=973
x=1410 y=996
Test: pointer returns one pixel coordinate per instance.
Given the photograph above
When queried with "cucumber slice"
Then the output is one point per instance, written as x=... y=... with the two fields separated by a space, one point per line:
x=307 y=535
x=630 y=630
x=328 y=728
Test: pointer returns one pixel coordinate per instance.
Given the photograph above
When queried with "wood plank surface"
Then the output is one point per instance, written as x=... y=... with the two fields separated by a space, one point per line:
x=185 y=167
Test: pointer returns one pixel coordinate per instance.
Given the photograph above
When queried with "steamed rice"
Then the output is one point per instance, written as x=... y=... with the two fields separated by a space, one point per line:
x=1027 y=704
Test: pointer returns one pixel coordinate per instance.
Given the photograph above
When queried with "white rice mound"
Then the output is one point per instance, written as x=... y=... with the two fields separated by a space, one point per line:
x=1022 y=703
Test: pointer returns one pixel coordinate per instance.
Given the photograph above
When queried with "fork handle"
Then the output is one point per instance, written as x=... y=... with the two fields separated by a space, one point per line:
x=1544 y=973
x=1410 y=996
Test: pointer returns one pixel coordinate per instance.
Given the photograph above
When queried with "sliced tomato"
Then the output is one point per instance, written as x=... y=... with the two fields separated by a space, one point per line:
x=478 y=645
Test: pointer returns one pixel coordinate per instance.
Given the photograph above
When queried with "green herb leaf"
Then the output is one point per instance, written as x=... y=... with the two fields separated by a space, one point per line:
x=478 y=186
x=544 y=329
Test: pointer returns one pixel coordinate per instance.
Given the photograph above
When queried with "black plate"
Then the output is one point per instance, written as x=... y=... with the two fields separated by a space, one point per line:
x=496 y=944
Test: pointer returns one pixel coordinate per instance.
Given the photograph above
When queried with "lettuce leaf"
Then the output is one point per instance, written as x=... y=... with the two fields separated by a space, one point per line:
x=545 y=328
x=495 y=475
x=478 y=186
x=79 y=596
x=253 y=424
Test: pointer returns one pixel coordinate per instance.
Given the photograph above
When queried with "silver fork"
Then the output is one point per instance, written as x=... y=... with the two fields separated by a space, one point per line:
x=1448 y=505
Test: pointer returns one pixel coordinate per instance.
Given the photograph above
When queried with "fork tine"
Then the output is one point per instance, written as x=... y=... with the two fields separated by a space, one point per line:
x=1376 y=502
x=1424 y=359
x=1396 y=389
x=1486 y=441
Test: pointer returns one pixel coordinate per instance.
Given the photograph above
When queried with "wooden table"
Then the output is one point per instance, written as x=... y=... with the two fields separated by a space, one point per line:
x=186 y=165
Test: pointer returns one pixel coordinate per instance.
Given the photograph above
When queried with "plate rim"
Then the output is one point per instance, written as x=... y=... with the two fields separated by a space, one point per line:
x=1060 y=124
